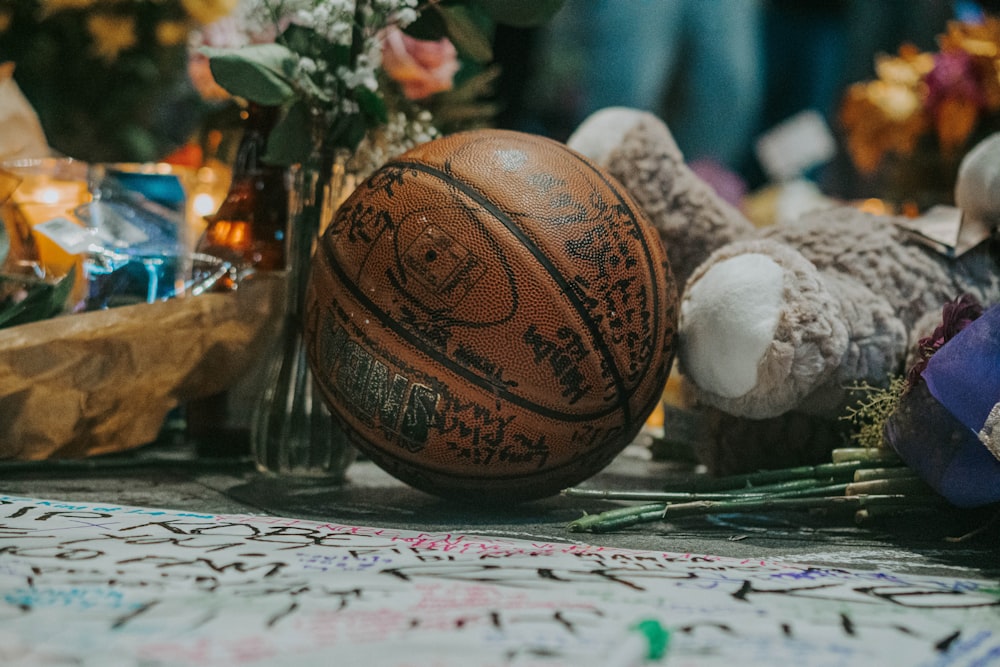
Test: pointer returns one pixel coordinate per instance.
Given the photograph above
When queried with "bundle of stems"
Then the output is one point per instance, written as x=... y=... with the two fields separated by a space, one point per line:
x=867 y=482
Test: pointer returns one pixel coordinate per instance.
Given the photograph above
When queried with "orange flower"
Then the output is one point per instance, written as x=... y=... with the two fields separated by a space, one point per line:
x=881 y=118
x=420 y=66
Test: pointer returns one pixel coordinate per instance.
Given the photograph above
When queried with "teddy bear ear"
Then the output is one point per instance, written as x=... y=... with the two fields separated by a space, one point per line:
x=603 y=131
x=977 y=190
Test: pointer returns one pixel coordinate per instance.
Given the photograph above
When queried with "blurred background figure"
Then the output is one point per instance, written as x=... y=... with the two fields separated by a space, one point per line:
x=720 y=72
x=697 y=63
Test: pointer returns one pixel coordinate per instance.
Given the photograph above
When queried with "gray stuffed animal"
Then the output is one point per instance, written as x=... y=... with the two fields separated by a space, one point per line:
x=778 y=324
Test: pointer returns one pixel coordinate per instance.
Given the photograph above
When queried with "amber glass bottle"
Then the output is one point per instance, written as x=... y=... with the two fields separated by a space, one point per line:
x=248 y=230
x=249 y=227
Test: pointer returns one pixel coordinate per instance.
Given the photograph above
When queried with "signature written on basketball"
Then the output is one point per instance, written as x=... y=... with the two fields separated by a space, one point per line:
x=482 y=436
x=563 y=356
x=381 y=397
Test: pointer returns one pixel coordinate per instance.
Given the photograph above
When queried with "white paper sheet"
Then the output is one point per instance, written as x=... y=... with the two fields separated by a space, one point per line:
x=104 y=585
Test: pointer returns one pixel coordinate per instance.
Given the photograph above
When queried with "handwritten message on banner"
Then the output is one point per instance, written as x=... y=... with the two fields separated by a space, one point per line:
x=103 y=585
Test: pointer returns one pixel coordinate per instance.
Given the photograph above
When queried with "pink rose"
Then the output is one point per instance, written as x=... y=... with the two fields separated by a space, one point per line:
x=420 y=66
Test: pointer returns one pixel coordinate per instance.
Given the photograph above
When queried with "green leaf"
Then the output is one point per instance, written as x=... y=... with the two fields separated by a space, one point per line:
x=521 y=13
x=372 y=106
x=348 y=131
x=468 y=31
x=307 y=41
x=259 y=73
x=4 y=242
x=291 y=140
x=44 y=300
x=429 y=25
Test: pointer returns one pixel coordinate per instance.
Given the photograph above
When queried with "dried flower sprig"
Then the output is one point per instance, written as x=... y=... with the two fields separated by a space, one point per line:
x=869 y=415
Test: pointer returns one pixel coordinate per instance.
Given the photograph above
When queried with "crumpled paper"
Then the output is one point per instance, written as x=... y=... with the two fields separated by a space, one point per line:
x=100 y=382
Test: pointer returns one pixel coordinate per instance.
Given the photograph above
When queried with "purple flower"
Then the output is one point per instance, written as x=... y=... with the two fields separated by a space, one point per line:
x=955 y=316
x=954 y=76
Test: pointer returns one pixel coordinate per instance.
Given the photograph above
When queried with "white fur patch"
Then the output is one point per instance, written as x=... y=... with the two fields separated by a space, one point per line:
x=727 y=323
x=603 y=131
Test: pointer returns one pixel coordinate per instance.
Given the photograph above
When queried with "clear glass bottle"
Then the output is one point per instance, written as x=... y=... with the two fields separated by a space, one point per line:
x=293 y=433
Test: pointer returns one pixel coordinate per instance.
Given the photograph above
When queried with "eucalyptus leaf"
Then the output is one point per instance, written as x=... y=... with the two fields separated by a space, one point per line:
x=43 y=300
x=290 y=142
x=470 y=31
x=259 y=72
x=521 y=13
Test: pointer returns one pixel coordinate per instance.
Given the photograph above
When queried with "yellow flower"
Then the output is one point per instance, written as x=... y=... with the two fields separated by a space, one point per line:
x=898 y=102
x=171 y=33
x=50 y=7
x=208 y=11
x=112 y=34
x=906 y=69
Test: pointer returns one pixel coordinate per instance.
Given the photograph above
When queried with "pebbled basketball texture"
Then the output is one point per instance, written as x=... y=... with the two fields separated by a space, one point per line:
x=491 y=317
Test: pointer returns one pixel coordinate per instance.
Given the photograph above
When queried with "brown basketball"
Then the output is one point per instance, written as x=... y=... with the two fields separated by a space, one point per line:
x=491 y=317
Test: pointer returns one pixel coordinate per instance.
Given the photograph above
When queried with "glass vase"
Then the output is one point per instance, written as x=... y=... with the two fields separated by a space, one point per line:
x=293 y=432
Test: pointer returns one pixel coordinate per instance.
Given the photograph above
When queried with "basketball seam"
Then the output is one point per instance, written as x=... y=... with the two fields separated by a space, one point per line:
x=482 y=382
x=655 y=296
x=598 y=341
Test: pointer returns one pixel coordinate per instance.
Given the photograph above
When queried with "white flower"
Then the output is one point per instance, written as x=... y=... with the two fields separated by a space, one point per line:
x=308 y=65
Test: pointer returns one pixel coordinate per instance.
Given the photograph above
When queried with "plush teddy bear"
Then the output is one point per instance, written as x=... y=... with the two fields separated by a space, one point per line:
x=779 y=323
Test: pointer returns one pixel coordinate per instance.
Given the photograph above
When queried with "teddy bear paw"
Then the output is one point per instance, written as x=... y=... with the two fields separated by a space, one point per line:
x=759 y=330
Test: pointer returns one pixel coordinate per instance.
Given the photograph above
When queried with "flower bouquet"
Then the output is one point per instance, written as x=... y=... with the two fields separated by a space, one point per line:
x=911 y=125
x=343 y=71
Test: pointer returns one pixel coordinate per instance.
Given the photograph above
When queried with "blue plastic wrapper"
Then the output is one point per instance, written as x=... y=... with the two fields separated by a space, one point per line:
x=936 y=428
x=135 y=251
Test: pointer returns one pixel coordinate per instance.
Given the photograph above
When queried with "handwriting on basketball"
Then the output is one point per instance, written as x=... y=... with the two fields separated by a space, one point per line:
x=562 y=355
x=180 y=588
x=614 y=291
x=403 y=409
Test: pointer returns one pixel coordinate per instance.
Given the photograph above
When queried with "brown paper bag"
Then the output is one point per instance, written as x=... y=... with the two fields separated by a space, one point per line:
x=99 y=382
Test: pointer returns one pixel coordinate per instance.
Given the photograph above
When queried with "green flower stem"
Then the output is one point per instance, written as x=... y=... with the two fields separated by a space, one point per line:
x=852 y=503
x=626 y=517
x=866 y=454
x=908 y=486
x=617 y=518
x=790 y=485
x=650 y=496
x=781 y=488
x=897 y=472
x=839 y=471
x=806 y=492
x=867 y=482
